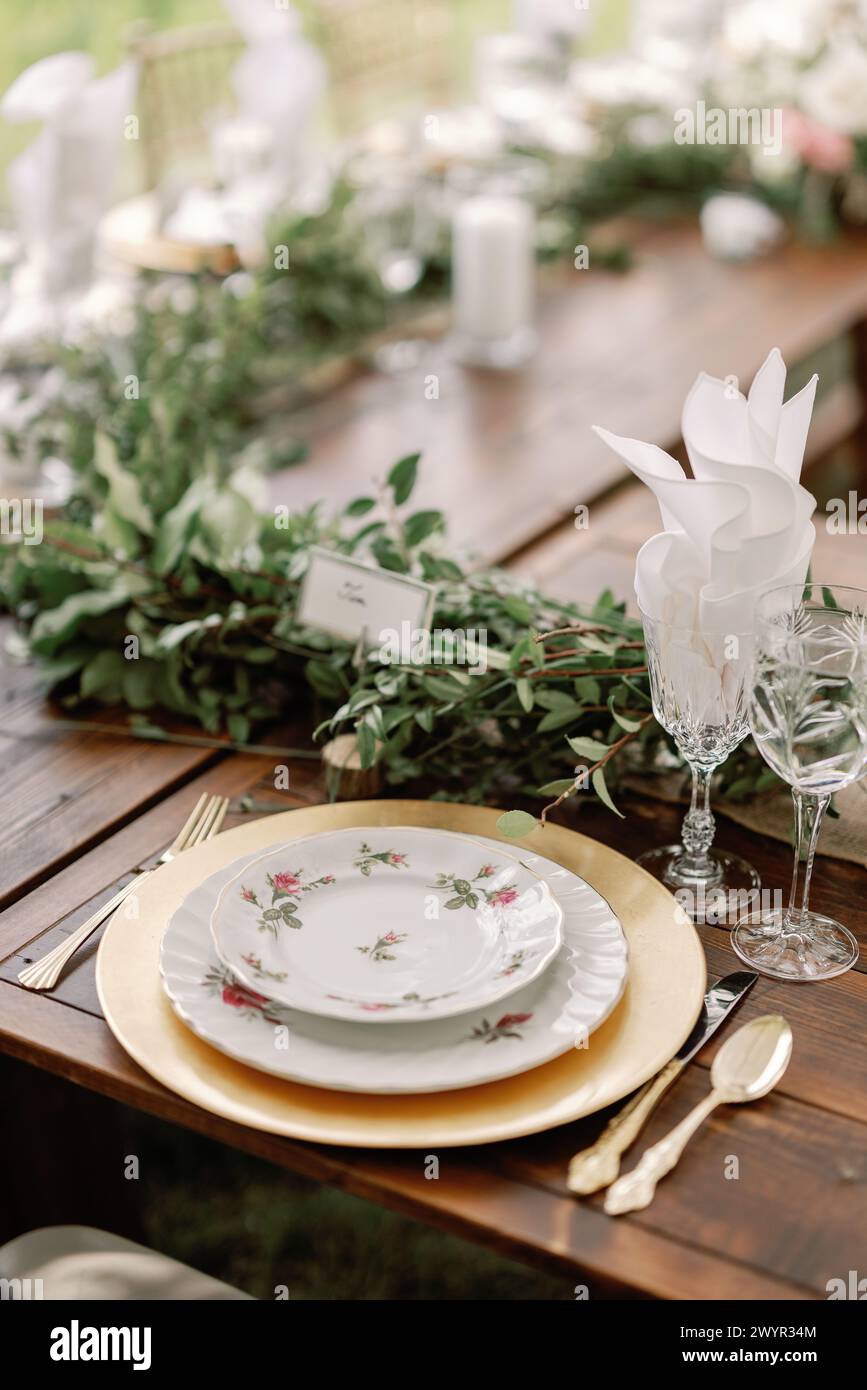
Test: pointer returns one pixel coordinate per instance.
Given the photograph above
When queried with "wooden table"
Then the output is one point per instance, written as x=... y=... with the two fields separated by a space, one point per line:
x=80 y=810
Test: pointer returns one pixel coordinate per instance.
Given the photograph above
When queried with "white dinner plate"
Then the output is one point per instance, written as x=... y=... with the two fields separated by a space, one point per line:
x=558 y=1010
x=387 y=924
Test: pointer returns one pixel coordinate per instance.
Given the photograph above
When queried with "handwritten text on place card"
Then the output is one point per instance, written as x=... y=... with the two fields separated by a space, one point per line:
x=348 y=599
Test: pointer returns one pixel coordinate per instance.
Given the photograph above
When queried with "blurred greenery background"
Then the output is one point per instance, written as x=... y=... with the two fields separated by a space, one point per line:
x=219 y=1210
x=257 y=1227
x=33 y=29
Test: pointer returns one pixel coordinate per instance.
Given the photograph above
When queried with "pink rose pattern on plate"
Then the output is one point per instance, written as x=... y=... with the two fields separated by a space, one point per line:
x=379 y=950
x=220 y=982
x=368 y=859
x=505 y=1027
x=286 y=892
x=260 y=972
x=470 y=893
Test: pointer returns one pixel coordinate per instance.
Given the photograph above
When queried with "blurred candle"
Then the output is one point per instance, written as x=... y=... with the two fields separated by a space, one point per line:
x=493 y=273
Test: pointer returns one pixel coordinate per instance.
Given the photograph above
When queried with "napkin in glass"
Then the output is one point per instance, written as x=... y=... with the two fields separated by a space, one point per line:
x=62 y=183
x=740 y=526
x=278 y=80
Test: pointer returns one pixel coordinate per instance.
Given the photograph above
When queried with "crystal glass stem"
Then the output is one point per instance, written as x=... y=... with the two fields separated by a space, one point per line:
x=809 y=815
x=699 y=826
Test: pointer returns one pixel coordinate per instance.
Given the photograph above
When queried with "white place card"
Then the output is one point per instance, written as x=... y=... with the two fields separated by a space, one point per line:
x=359 y=602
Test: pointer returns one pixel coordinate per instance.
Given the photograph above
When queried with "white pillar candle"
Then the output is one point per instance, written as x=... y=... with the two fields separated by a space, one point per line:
x=493 y=267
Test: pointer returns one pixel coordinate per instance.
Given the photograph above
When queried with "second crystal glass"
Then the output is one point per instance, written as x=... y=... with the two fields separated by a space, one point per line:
x=699 y=683
x=808 y=713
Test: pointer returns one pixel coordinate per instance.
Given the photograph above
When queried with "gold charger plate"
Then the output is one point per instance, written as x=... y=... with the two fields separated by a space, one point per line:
x=667 y=981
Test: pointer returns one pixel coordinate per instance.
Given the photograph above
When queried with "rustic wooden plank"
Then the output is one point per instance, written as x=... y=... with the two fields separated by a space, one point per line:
x=508 y=458
x=830 y=1017
x=797 y=1208
x=509 y=455
x=469 y=1200
x=562 y=562
x=828 y=1023
x=835 y=1016
x=60 y=796
x=58 y=906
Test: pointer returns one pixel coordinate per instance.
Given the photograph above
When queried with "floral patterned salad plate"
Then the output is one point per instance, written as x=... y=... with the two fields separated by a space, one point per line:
x=387 y=924
x=544 y=1019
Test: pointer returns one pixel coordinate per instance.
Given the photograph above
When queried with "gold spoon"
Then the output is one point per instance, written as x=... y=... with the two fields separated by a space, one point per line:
x=746 y=1067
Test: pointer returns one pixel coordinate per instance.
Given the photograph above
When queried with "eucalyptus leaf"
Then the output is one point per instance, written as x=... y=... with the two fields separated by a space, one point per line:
x=516 y=824
x=631 y=726
x=420 y=525
x=55 y=626
x=402 y=477
x=601 y=789
x=124 y=490
x=360 y=506
x=588 y=748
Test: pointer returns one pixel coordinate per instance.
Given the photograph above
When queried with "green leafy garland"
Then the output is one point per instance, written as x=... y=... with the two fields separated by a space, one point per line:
x=188 y=605
x=167 y=586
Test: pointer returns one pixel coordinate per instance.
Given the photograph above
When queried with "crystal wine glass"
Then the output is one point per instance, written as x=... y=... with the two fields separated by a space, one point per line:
x=392 y=211
x=699 y=687
x=808 y=713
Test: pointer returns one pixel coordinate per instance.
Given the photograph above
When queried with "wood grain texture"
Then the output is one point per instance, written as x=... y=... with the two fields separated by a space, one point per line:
x=473 y=1198
x=507 y=460
x=824 y=1082
x=508 y=456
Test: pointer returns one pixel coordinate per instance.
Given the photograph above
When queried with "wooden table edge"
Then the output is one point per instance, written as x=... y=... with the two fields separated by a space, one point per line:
x=678 y=1268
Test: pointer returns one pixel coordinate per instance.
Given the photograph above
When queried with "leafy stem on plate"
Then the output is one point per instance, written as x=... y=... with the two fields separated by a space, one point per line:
x=369 y=858
x=469 y=892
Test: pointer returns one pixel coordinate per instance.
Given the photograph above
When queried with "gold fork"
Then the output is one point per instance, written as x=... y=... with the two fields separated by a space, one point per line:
x=202 y=824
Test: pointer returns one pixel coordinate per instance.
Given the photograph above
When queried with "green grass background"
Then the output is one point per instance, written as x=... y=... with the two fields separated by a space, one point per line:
x=248 y=1223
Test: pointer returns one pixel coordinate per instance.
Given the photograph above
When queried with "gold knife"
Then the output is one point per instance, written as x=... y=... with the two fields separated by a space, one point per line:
x=599 y=1165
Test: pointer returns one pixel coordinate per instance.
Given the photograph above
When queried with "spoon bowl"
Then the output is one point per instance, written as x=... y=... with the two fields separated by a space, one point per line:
x=750 y=1063
x=746 y=1067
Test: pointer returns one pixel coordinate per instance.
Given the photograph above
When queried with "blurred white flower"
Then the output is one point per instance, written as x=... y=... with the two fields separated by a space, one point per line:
x=649 y=130
x=737 y=228
x=183 y=297
x=565 y=17
x=834 y=91
x=796 y=27
x=626 y=81
x=774 y=166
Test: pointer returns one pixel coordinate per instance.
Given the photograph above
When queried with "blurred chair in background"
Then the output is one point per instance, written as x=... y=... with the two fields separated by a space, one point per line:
x=85 y=1265
x=381 y=56
x=384 y=55
x=184 y=75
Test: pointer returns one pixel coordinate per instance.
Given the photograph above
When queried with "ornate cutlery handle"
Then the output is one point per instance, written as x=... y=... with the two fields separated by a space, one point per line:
x=635 y=1190
x=45 y=972
x=598 y=1165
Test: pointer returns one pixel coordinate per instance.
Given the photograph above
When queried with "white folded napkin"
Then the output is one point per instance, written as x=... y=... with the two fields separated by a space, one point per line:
x=278 y=80
x=741 y=524
x=62 y=183
x=556 y=17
